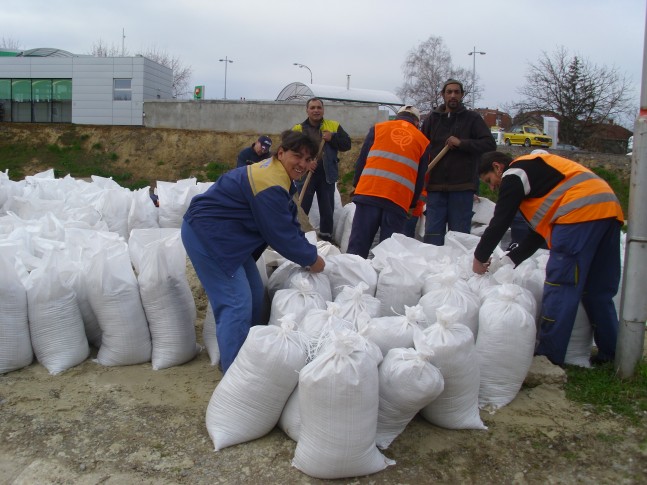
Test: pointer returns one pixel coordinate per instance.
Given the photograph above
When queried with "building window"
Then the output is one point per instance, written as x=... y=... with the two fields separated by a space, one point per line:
x=36 y=100
x=122 y=90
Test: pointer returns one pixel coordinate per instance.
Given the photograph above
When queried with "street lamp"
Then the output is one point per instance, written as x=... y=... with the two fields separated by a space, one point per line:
x=473 y=53
x=226 y=60
x=304 y=66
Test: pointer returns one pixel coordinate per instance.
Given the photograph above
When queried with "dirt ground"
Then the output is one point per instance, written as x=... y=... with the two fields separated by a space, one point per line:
x=120 y=425
x=115 y=425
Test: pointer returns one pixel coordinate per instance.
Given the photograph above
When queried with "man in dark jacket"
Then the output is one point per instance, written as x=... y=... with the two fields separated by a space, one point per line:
x=453 y=182
x=259 y=150
x=325 y=172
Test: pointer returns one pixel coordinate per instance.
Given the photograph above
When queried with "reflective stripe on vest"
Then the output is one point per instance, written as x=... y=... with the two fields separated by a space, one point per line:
x=581 y=197
x=392 y=164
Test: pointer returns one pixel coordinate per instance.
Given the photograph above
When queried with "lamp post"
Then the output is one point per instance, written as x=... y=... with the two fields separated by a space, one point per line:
x=304 y=66
x=473 y=53
x=226 y=60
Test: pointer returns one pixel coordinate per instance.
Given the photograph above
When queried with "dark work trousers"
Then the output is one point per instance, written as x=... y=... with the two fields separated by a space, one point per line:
x=584 y=264
x=448 y=211
x=368 y=219
x=325 y=198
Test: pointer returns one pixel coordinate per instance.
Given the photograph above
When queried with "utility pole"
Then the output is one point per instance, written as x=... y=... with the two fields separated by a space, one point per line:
x=633 y=305
x=123 y=38
x=473 y=53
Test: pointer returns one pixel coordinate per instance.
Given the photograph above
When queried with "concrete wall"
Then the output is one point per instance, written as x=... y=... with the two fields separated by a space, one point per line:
x=254 y=116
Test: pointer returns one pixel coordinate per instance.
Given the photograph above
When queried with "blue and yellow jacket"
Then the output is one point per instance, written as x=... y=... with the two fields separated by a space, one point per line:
x=340 y=142
x=246 y=210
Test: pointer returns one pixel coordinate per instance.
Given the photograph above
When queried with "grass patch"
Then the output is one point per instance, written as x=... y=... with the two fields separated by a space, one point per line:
x=600 y=388
x=215 y=170
x=620 y=188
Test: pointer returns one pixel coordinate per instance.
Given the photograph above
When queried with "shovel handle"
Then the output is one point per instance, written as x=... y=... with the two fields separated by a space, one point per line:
x=437 y=158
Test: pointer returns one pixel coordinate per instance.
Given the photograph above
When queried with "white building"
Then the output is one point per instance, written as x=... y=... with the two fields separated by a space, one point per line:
x=55 y=86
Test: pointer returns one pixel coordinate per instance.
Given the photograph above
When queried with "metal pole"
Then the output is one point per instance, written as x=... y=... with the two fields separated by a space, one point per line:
x=226 y=60
x=633 y=304
x=473 y=54
x=304 y=66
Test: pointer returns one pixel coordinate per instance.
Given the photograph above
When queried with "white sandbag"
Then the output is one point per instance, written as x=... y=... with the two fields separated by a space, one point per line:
x=454 y=354
x=505 y=346
x=114 y=205
x=338 y=402
x=280 y=277
x=580 y=344
x=142 y=213
x=354 y=300
x=290 y=420
x=209 y=336
x=114 y=295
x=350 y=270
x=399 y=284
x=55 y=323
x=347 y=227
x=319 y=282
x=174 y=200
x=448 y=289
x=390 y=332
x=15 y=342
x=408 y=382
x=296 y=301
x=248 y=401
x=483 y=210
x=322 y=320
x=507 y=275
x=339 y=221
x=160 y=260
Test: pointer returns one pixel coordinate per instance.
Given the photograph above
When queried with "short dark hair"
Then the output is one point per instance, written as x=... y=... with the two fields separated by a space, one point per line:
x=297 y=141
x=314 y=99
x=487 y=161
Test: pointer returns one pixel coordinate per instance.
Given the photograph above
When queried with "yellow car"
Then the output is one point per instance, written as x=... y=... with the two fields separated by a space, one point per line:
x=528 y=136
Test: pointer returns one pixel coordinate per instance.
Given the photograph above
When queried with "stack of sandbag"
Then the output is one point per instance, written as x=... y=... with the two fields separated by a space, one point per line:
x=350 y=270
x=301 y=297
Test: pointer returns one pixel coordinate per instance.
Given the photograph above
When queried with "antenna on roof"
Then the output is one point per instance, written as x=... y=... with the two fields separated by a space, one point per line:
x=123 y=37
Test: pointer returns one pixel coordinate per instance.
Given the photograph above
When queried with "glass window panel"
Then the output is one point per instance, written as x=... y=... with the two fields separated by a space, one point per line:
x=5 y=89
x=62 y=89
x=41 y=90
x=122 y=83
x=122 y=91
x=21 y=89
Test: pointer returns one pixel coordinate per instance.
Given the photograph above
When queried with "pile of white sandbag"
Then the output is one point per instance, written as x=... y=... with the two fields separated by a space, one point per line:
x=379 y=341
x=86 y=264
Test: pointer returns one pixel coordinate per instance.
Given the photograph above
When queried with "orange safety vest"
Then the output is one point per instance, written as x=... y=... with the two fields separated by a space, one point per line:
x=582 y=196
x=391 y=167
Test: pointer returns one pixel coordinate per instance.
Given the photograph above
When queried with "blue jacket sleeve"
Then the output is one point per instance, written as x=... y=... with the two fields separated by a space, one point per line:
x=275 y=215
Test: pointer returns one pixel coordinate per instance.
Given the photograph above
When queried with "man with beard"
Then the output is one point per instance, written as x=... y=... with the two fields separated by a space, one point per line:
x=453 y=182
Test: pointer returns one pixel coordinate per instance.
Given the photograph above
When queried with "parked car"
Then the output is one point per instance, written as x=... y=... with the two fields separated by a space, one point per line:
x=528 y=136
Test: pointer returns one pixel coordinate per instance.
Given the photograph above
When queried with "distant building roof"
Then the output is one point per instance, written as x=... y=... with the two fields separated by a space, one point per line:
x=337 y=93
x=45 y=52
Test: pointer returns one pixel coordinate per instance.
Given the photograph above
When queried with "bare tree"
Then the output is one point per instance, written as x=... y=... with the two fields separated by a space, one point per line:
x=580 y=94
x=181 y=73
x=425 y=70
x=102 y=49
x=9 y=44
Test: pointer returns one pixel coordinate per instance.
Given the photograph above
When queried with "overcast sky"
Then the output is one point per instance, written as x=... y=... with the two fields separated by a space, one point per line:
x=366 y=39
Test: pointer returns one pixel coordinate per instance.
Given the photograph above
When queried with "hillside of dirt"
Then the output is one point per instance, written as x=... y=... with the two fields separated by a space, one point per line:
x=170 y=155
